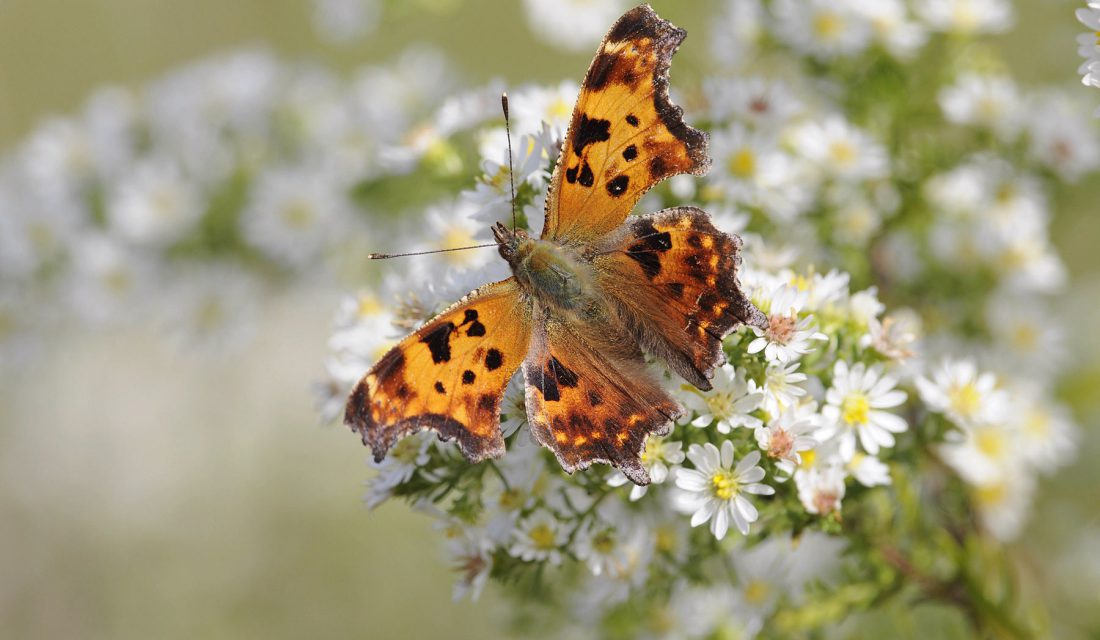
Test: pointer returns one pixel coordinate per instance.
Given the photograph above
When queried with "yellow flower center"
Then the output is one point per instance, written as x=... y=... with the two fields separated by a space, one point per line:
x=666 y=539
x=828 y=25
x=965 y=399
x=757 y=592
x=808 y=458
x=724 y=485
x=743 y=163
x=843 y=153
x=542 y=536
x=965 y=16
x=368 y=306
x=456 y=238
x=1037 y=423
x=559 y=109
x=603 y=542
x=855 y=409
x=1025 y=337
x=298 y=215
x=800 y=282
x=990 y=441
x=512 y=499
x=406 y=450
x=991 y=494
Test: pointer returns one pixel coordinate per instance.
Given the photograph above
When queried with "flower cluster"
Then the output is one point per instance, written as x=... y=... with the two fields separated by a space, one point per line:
x=919 y=185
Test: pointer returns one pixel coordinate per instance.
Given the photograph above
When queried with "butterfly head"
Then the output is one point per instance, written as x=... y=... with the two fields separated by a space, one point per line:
x=509 y=241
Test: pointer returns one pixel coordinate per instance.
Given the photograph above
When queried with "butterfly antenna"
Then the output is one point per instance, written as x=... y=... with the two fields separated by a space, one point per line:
x=511 y=173
x=386 y=256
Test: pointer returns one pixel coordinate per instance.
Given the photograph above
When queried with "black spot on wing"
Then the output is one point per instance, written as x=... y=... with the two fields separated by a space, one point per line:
x=586 y=178
x=493 y=360
x=590 y=131
x=675 y=289
x=650 y=244
x=487 y=402
x=658 y=168
x=594 y=399
x=632 y=120
x=617 y=186
x=476 y=328
x=601 y=71
x=547 y=385
x=630 y=153
x=468 y=377
x=571 y=175
x=439 y=387
x=565 y=376
x=439 y=342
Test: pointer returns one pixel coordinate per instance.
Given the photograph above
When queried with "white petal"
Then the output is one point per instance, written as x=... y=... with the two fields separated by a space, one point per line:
x=727 y=454
x=752 y=474
x=891 y=399
x=756 y=346
x=763 y=489
x=888 y=421
x=720 y=524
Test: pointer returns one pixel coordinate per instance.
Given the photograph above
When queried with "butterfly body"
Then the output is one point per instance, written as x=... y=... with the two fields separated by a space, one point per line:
x=591 y=295
x=556 y=276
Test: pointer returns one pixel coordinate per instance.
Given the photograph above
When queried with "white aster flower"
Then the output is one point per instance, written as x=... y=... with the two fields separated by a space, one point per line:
x=785 y=437
x=749 y=165
x=1003 y=503
x=985 y=100
x=471 y=558
x=533 y=105
x=787 y=337
x=1062 y=137
x=984 y=452
x=782 y=388
x=854 y=408
x=294 y=214
x=715 y=491
x=892 y=27
x=155 y=204
x=736 y=32
x=958 y=390
x=869 y=471
x=763 y=577
x=894 y=336
x=573 y=25
x=967 y=17
x=728 y=404
x=451 y=225
x=212 y=308
x=109 y=282
x=402 y=461
x=820 y=488
x=656 y=458
x=539 y=538
x=1047 y=433
x=363 y=327
x=840 y=150
x=761 y=102
x=823 y=29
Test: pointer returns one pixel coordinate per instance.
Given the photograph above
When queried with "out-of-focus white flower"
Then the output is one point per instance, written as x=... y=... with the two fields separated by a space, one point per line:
x=761 y=102
x=958 y=390
x=155 y=204
x=787 y=337
x=294 y=214
x=728 y=404
x=984 y=100
x=403 y=460
x=451 y=225
x=539 y=538
x=656 y=458
x=821 y=28
x=1062 y=137
x=342 y=21
x=820 y=489
x=869 y=471
x=492 y=195
x=109 y=282
x=785 y=437
x=894 y=336
x=840 y=150
x=212 y=308
x=1047 y=433
x=1025 y=333
x=967 y=17
x=715 y=491
x=753 y=171
x=892 y=27
x=854 y=408
x=574 y=25
x=532 y=105
x=985 y=452
x=363 y=327
x=736 y=32
x=472 y=559
x=1004 y=502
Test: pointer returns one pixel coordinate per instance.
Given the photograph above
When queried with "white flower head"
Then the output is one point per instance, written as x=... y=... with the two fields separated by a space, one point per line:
x=840 y=150
x=471 y=558
x=821 y=488
x=855 y=408
x=155 y=204
x=965 y=395
x=785 y=437
x=967 y=17
x=821 y=28
x=782 y=387
x=990 y=101
x=787 y=337
x=573 y=25
x=715 y=491
x=539 y=538
x=728 y=405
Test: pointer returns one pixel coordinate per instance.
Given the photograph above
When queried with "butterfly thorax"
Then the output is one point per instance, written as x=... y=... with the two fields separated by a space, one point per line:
x=547 y=271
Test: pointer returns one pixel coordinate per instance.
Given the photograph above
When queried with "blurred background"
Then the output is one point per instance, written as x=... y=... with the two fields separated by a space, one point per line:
x=149 y=490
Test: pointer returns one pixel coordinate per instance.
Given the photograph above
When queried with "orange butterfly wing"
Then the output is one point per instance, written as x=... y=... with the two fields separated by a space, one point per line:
x=625 y=136
x=590 y=399
x=673 y=279
x=448 y=376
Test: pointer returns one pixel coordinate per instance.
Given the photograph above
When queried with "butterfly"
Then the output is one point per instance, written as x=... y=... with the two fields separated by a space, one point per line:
x=591 y=295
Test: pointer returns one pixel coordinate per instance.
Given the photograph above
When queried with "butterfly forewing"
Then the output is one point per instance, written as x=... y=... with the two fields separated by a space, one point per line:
x=625 y=136
x=448 y=376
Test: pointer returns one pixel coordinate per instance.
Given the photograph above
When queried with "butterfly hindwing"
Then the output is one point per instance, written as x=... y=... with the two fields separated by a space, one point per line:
x=448 y=376
x=672 y=278
x=590 y=399
x=625 y=136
